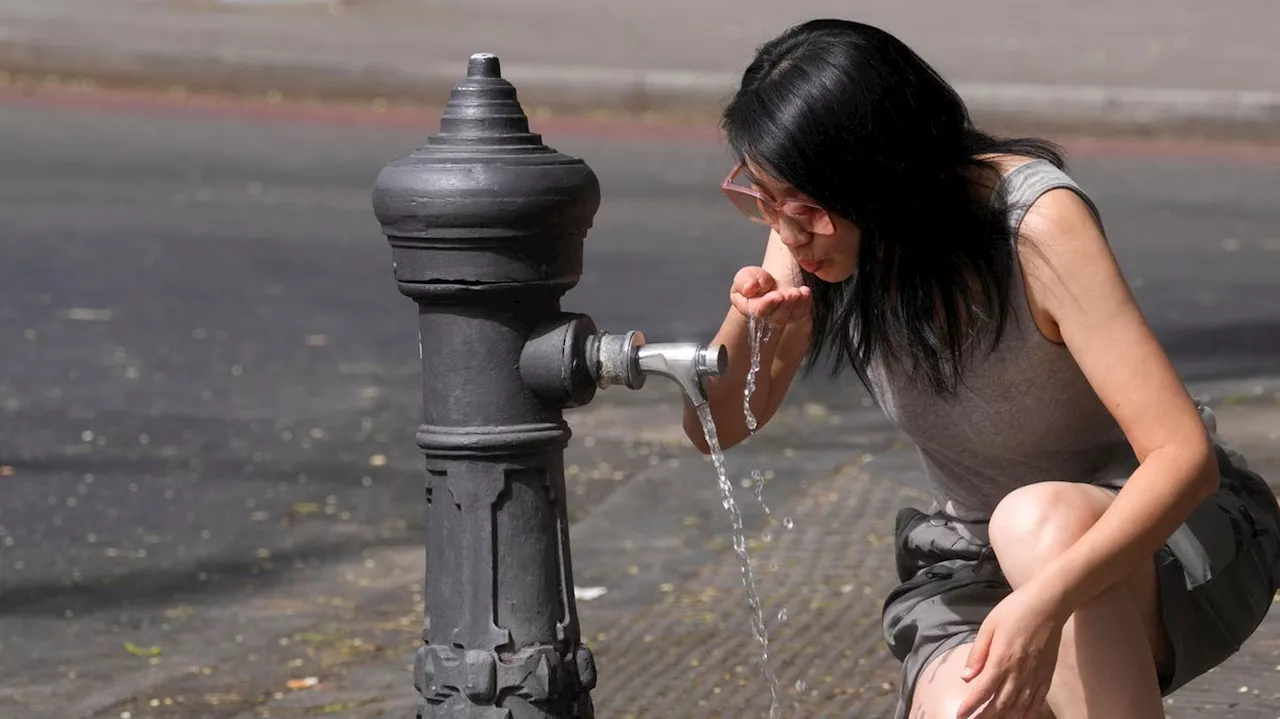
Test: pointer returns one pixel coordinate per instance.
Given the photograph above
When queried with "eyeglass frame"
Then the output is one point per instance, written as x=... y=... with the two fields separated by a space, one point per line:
x=728 y=186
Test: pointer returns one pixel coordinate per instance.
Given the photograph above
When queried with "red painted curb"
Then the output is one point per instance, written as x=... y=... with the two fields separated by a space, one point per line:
x=620 y=127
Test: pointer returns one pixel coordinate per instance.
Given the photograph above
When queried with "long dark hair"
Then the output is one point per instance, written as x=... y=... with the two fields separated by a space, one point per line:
x=849 y=115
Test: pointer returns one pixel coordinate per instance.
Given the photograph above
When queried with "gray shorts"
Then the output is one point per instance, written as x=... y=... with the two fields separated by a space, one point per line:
x=1218 y=574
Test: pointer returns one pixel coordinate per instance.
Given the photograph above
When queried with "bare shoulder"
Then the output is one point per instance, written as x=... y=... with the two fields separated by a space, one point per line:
x=1065 y=257
x=1062 y=226
x=1074 y=279
x=986 y=179
x=1008 y=163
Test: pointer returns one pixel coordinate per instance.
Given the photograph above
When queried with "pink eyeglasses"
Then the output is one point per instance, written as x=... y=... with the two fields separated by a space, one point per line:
x=761 y=208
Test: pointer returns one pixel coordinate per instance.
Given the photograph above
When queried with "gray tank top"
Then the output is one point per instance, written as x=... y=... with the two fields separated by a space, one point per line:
x=1026 y=413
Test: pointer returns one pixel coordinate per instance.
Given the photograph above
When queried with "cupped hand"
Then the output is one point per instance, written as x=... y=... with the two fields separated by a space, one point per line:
x=1012 y=661
x=756 y=292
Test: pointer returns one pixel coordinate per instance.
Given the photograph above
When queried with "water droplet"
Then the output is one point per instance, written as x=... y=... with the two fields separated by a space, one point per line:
x=801 y=685
x=788 y=523
x=782 y=615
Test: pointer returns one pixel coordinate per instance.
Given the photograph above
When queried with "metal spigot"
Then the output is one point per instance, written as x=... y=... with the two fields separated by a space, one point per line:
x=625 y=359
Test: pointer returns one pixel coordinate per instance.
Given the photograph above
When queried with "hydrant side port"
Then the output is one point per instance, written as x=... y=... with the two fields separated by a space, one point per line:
x=557 y=362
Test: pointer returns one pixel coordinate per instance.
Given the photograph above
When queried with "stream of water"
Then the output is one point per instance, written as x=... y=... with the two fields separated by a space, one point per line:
x=740 y=548
x=758 y=332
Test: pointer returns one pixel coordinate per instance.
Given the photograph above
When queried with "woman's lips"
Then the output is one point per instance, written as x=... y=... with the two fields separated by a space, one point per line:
x=809 y=266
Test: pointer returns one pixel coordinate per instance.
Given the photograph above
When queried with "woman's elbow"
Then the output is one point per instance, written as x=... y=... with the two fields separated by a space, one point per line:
x=726 y=437
x=1197 y=459
x=1210 y=473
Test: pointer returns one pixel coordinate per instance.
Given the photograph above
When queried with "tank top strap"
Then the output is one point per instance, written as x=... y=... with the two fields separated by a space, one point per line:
x=1026 y=183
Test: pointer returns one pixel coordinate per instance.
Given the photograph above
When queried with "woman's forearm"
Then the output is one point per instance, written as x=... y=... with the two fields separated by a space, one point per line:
x=725 y=395
x=1158 y=497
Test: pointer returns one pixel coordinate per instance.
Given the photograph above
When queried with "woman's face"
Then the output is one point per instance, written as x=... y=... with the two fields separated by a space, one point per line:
x=822 y=243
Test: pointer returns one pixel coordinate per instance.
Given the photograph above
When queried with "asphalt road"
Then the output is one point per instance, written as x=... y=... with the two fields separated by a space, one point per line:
x=209 y=382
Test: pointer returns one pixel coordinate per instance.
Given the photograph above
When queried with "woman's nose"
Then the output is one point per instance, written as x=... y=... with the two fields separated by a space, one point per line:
x=792 y=237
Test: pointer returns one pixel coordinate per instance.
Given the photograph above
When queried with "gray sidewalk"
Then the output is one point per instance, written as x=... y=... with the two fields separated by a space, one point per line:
x=1091 y=61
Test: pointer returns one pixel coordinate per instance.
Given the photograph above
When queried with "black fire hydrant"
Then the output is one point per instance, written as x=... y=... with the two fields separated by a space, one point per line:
x=486 y=225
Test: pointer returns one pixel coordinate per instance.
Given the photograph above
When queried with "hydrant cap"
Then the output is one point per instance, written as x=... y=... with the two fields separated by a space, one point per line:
x=484 y=170
x=484 y=64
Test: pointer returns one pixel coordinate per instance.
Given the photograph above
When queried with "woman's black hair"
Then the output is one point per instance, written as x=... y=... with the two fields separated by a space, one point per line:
x=850 y=116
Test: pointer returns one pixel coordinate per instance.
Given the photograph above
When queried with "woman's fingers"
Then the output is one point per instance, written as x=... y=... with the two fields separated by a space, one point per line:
x=796 y=305
x=757 y=306
x=753 y=282
x=740 y=302
x=768 y=307
x=755 y=292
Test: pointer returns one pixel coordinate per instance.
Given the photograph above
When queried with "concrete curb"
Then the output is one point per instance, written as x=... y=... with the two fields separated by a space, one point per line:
x=628 y=90
x=1125 y=106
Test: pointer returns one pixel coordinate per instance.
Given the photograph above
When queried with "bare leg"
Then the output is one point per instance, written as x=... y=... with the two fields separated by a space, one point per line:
x=1110 y=647
x=940 y=690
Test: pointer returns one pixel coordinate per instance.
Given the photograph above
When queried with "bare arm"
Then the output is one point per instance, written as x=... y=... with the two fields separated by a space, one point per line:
x=780 y=359
x=1082 y=289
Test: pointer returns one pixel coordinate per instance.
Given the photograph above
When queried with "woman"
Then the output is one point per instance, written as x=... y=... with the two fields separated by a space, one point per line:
x=1095 y=545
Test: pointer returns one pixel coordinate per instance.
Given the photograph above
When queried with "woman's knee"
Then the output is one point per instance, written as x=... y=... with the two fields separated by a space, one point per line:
x=1035 y=523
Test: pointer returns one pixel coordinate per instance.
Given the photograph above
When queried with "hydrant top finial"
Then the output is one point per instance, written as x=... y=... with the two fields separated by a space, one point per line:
x=486 y=176
x=484 y=64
